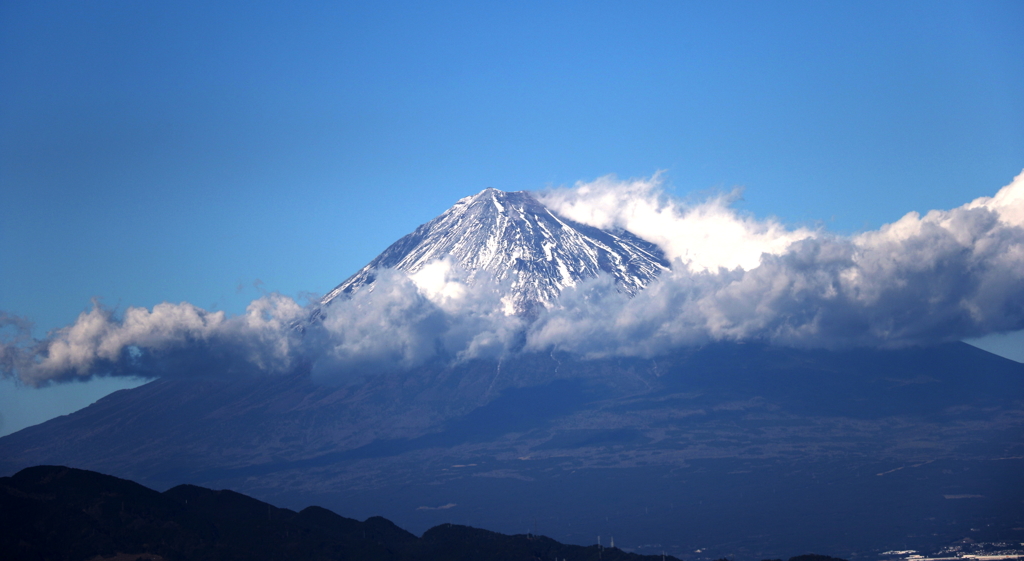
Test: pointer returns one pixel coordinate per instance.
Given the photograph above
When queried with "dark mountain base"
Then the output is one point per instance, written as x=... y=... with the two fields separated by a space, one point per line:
x=743 y=451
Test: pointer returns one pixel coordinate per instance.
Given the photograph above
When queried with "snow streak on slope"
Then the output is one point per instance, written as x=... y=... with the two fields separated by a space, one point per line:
x=518 y=242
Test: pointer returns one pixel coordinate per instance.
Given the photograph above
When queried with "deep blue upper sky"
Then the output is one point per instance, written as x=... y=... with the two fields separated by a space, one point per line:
x=180 y=151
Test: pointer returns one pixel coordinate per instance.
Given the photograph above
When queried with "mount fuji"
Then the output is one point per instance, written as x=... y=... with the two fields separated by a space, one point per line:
x=749 y=451
x=515 y=240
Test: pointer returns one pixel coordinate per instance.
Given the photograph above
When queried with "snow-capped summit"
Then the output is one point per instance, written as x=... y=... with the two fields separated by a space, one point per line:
x=514 y=238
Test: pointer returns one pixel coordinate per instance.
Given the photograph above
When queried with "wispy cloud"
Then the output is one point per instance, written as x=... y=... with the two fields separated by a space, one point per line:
x=944 y=276
x=442 y=507
x=171 y=339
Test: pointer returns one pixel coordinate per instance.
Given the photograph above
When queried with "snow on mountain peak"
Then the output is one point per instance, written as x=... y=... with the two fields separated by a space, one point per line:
x=514 y=239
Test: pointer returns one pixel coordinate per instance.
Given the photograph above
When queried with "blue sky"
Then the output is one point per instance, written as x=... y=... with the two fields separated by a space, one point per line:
x=188 y=152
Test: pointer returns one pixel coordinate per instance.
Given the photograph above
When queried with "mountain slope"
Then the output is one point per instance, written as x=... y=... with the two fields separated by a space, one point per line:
x=740 y=450
x=751 y=451
x=511 y=237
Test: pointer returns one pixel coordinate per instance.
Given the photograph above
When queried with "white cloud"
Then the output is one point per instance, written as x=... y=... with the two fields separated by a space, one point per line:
x=704 y=236
x=176 y=339
x=947 y=275
x=405 y=321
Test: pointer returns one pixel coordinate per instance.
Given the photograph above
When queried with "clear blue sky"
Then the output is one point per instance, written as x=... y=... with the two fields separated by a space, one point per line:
x=181 y=151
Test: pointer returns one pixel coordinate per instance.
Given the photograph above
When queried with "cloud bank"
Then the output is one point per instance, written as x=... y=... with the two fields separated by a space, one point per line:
x=941 y=277
x=944 y=276
x=171 y=339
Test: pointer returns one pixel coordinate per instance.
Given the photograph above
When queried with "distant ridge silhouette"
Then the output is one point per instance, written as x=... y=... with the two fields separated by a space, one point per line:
x=55 y=512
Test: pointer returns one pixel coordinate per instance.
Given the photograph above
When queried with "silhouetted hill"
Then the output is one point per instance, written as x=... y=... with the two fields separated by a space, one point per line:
x=53 y=512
